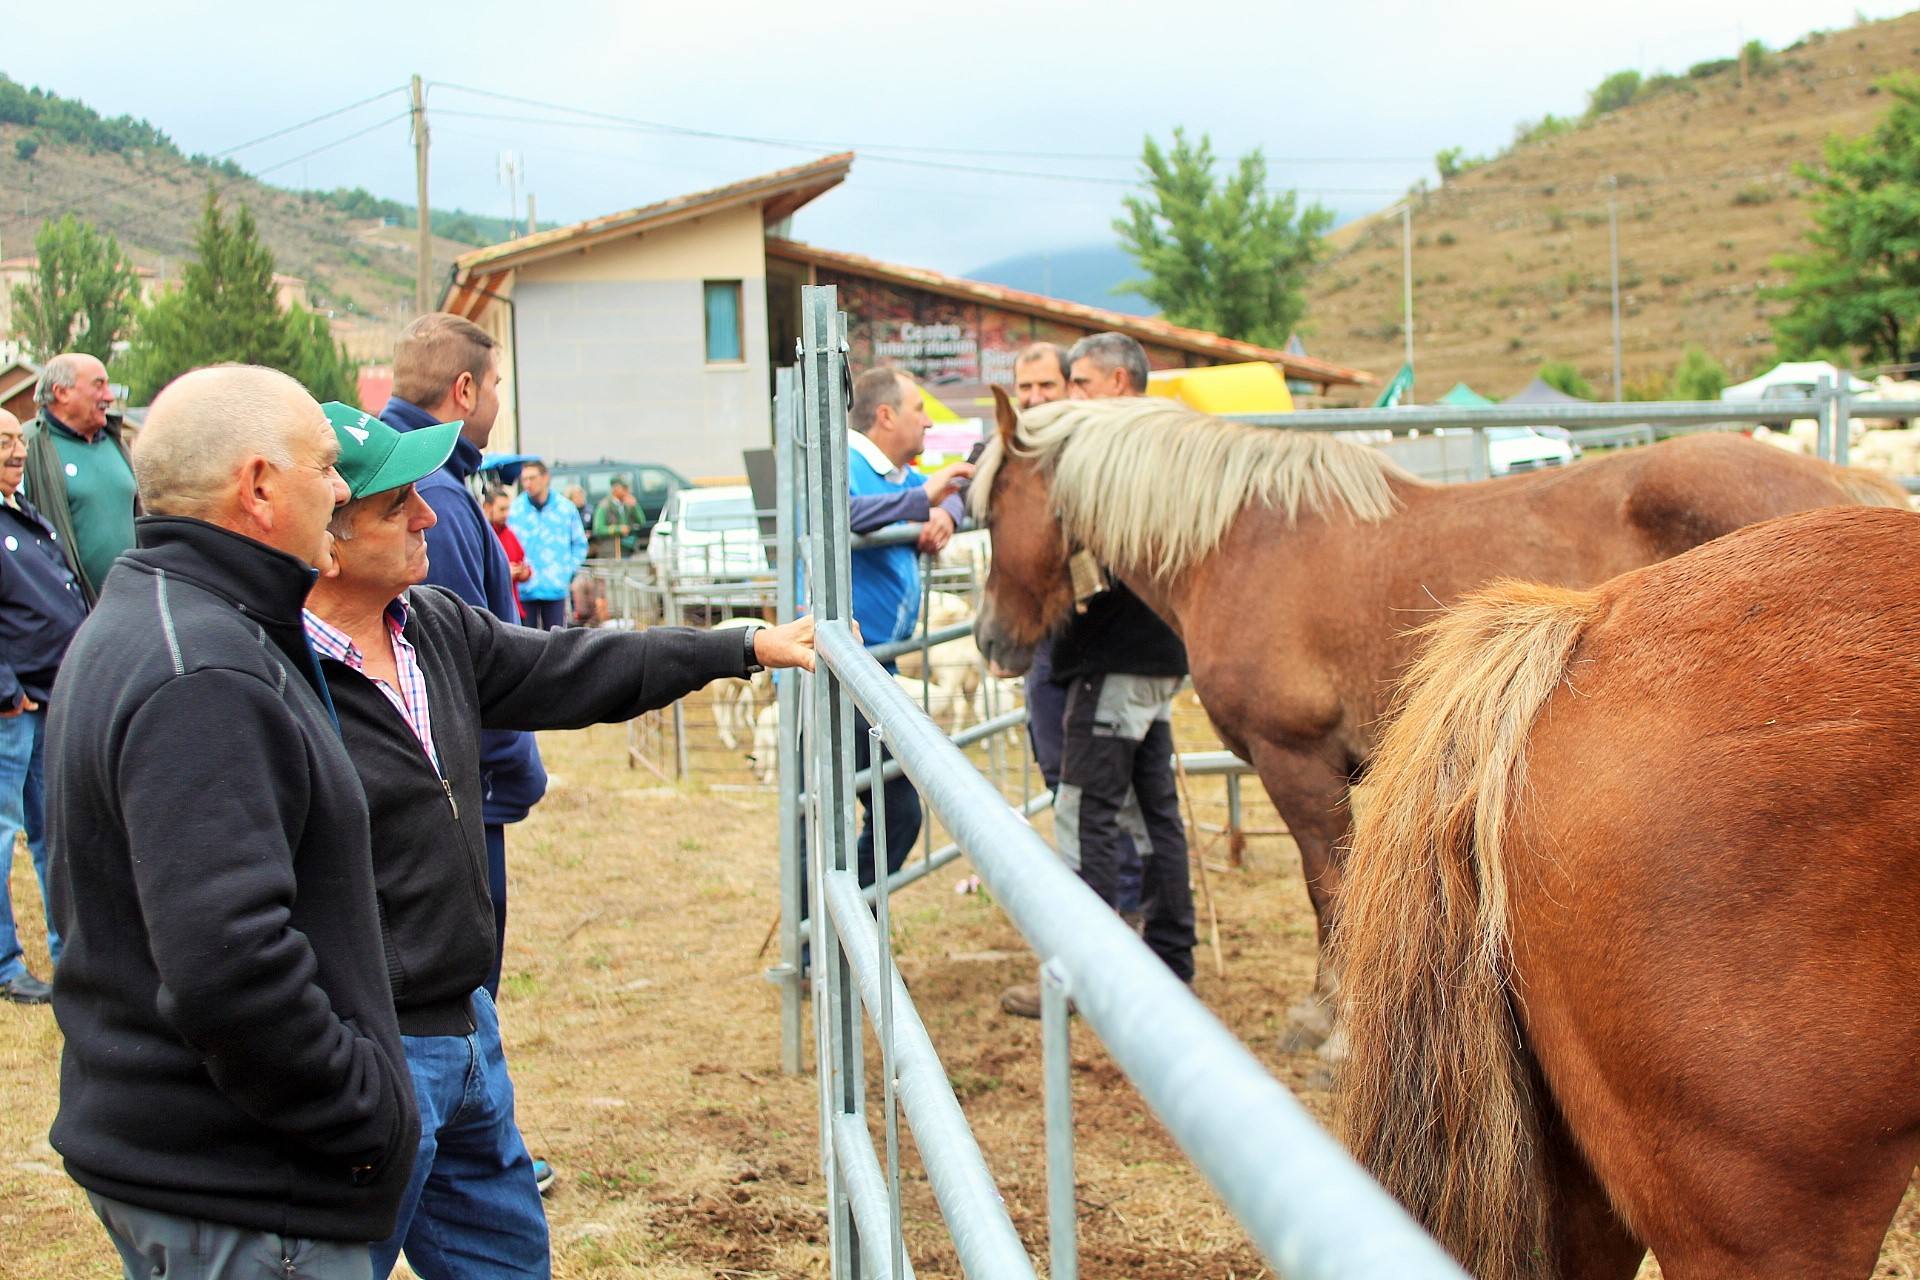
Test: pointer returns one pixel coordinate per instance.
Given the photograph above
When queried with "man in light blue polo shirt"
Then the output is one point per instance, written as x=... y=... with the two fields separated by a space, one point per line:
x=887 y=428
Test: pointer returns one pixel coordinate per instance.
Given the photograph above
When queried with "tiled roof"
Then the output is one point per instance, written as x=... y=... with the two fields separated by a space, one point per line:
x=1144 y=328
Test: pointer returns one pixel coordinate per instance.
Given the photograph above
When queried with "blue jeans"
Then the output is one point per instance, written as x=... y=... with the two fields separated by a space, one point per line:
x=472 y=1211
x=23 y=805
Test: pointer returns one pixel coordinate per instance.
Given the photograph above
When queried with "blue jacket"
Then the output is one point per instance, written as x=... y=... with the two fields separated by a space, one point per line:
x=886 y=580
x=464 y=556
x=555 y=543
x=41 y=604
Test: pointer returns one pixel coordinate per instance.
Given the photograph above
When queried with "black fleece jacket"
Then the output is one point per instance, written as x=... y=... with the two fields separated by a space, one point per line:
x=231 y=1047
x=1117 y=635
x=429 y=851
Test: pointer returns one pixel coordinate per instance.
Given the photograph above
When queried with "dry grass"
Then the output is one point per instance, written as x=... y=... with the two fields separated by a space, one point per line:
x=1511 y=260
x=645 y=1054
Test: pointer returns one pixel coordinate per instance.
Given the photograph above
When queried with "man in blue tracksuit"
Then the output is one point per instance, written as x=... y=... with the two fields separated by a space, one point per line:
x=444 y=369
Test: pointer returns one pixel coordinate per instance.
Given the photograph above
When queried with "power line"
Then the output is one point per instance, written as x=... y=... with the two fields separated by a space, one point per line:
x=872 y=148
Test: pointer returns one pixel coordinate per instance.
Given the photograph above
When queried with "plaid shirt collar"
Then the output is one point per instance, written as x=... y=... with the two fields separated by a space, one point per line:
x=410 y=699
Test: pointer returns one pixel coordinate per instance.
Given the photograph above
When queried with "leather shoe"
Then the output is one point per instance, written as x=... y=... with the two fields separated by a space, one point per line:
x=26 y=989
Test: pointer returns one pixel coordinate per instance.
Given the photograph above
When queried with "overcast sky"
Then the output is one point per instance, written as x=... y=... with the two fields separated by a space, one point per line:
x=1349 y=102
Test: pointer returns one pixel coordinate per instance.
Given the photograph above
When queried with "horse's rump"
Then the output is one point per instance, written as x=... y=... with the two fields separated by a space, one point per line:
x=1654 y=766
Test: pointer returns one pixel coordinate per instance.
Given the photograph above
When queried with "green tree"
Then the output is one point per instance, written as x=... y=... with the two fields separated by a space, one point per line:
x=1451 y=162
x=1857 y=291
x=226 y=309
x=83 y=293
x=1616 y=91
x=1562 y=376
x=319 y=363
x=1698 y=376
x=1228 y=256
x=26 y=148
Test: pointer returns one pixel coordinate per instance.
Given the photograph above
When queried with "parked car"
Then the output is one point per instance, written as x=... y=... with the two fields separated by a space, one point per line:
x=1790 y=396
x=653 y=485
x=709 y=534
x=1512 y=450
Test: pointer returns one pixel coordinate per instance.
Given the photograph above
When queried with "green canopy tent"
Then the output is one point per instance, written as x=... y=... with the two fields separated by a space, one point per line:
x=1464 y=397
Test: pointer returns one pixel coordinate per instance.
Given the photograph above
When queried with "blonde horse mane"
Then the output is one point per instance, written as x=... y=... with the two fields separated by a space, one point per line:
x=1147 y=481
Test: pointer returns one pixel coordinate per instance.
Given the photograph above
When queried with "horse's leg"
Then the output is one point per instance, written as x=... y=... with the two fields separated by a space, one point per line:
x=1589 y=1240
x=1310 y=793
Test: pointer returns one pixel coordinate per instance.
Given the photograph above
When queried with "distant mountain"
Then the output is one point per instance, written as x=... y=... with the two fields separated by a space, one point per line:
x=1086 y=275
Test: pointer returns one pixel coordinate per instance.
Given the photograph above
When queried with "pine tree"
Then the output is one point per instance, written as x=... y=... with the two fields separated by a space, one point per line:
x=83 y=294
x=228 y=309
x=1230 y=257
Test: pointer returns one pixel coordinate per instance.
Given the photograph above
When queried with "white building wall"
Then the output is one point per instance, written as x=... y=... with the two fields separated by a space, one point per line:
x=612 y=351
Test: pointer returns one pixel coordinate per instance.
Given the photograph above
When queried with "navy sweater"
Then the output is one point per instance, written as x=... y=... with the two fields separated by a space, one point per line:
x=41 y=604
x=464 y=555
x=231 y=1048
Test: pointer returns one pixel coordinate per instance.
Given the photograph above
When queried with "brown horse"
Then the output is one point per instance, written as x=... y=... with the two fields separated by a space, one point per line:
x=1293 y=565
x=1630 y=940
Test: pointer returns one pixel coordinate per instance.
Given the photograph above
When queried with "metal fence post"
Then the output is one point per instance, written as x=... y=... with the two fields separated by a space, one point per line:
x=1823 y=407
x=1843 y=418
x=830 y=731
x=1063 y=1242
x=787 y=701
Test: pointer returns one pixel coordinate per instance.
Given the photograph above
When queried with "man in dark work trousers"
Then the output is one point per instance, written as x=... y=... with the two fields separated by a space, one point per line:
x=1121 y=665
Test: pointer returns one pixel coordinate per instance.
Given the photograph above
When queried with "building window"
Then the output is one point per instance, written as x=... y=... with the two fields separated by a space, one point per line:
x=725 y=334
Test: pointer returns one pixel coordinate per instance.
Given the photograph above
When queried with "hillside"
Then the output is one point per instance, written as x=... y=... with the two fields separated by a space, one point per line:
x=1510 y=259
x=360 y=269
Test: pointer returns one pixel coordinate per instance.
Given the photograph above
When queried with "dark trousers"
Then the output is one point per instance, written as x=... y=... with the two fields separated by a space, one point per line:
x=545 y=615
x=1046 y=714
x=1118 y=796
x=497 y=885
x=903 y=826
x=163 y=1246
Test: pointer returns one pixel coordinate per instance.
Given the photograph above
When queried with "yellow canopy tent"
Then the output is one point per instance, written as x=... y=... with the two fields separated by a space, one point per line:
x=1254 y=387
x=938 y=411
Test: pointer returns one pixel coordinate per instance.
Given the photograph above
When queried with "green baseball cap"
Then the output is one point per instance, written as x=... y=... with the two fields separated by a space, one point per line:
x=375 y=458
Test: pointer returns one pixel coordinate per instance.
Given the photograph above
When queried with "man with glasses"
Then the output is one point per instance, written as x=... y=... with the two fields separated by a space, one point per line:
x=41 y=606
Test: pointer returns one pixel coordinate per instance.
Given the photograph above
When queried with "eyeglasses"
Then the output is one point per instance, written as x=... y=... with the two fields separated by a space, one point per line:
x=10 y=440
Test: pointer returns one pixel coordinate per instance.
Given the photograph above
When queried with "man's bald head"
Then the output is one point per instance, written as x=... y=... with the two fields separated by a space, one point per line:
x=245 y=448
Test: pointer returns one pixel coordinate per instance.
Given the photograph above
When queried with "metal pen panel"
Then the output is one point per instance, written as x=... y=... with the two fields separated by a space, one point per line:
x=983 y=1234
x=1309 y=1208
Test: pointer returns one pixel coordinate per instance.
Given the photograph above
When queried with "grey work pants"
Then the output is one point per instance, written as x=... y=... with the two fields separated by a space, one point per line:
x=153 y=1245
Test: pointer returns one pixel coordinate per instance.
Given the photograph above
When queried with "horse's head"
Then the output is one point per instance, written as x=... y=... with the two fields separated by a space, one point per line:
x=1029 y=588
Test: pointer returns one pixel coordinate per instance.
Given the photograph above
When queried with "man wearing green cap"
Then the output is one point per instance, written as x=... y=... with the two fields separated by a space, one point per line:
x=416 y=674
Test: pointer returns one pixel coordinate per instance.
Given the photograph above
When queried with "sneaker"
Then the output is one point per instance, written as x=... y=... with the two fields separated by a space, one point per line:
x=26 y=989
x=542 y=1175
x=1023 y=1001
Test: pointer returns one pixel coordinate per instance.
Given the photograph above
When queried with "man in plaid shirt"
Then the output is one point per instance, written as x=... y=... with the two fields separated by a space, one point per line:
x=416 y=674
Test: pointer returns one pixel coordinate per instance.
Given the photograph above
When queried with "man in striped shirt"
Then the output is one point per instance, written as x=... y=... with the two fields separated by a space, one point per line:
x=416 y=674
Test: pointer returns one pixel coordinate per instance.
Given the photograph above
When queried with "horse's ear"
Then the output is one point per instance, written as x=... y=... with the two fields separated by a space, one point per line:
x=1005 y=414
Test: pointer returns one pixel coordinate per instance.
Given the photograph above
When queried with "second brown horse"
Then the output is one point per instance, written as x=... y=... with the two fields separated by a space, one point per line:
x=1293 y=565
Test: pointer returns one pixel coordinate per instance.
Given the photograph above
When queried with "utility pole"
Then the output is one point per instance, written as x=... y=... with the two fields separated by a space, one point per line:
x=422 y=300
x=532 y=225
x=1406 y=272
x=1613 y=243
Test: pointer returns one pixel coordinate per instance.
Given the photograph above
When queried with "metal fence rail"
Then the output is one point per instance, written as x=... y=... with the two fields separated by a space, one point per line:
x=1302 y=1200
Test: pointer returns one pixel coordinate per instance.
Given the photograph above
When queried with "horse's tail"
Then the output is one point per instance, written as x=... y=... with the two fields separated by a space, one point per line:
x=1437 y=1093
x=1870 y=488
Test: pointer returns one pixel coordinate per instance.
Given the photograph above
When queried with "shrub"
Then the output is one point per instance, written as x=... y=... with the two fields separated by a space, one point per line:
x=1616 y=91
x=1753 y=195
x=1446 y=238
x=1698 y=376
x=1562 y=376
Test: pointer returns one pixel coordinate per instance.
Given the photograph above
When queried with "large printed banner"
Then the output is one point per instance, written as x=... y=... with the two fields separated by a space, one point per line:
x=942 y=341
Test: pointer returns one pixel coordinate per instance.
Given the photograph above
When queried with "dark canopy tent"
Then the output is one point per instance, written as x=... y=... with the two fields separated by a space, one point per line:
x=1538 y=392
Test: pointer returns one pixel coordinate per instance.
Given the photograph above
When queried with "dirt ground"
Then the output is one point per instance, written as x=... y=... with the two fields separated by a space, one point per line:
x=644 y=1048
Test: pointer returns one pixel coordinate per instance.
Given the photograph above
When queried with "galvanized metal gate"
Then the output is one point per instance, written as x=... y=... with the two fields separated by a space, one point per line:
x=1302 y=1200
